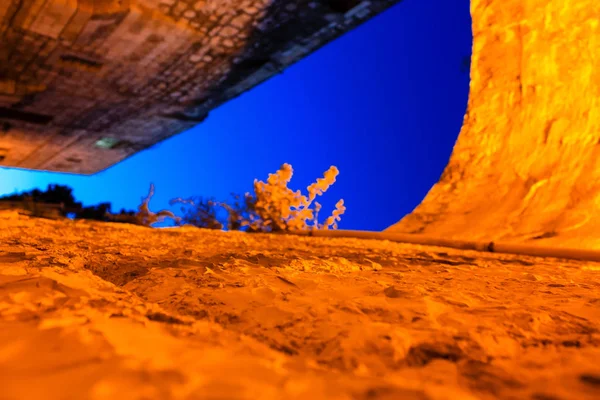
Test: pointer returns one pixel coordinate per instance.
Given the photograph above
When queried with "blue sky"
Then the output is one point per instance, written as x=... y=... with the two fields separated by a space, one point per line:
x=384 y=103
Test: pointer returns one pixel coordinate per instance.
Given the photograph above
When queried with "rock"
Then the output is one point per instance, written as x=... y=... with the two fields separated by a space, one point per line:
x=526 y=166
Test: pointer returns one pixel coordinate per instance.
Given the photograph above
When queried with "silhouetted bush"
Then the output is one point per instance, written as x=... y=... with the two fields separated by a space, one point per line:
x=146 y=217
x=54 y=194
x=239 y=211
x=199 y=212
x=37 y=203
x=100 y=212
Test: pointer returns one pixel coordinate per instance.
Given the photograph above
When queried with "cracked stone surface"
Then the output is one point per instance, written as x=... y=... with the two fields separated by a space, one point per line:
x=105 y=311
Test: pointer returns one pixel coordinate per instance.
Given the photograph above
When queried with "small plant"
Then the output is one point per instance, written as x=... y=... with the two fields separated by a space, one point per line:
x=239 y=211
x=276 y=208
x=199 y=212
x=146 y=217
x=99 y=212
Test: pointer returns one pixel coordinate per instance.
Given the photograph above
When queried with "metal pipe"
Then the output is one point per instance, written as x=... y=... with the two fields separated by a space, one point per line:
x=483 y=246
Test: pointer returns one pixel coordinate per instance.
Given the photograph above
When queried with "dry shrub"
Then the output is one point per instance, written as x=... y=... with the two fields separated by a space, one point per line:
x=199 y=212
x=239 y=211
x=146 y=217
x=276 y=208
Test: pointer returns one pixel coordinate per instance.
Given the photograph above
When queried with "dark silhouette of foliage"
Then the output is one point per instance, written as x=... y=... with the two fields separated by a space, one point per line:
x=54 y=194
x=146 y=217
x=62 y=196
x=100 y=212
x=198 y=212
x=130 y=213
x=242 y=208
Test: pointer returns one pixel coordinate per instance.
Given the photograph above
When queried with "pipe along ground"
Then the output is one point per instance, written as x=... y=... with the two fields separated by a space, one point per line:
x=482 y=246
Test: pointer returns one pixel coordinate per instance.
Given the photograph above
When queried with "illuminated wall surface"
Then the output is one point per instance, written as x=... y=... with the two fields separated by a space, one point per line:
x=526 y=165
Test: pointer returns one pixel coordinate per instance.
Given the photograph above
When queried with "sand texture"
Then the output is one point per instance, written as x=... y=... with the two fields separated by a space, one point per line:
x=108 y=311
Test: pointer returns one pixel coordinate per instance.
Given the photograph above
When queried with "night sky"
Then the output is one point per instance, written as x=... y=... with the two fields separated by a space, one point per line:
x=384 y=103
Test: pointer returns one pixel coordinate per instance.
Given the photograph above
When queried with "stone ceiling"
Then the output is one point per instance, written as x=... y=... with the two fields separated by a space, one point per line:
x=85 y=84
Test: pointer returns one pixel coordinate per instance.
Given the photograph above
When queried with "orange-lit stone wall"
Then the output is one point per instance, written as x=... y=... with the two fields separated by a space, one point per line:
x=526 y=166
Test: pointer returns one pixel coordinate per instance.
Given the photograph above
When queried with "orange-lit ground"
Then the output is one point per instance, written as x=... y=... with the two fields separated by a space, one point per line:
x=106 y=311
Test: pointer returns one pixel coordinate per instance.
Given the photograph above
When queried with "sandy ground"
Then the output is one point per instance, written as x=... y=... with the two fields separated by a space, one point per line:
x=108 y=311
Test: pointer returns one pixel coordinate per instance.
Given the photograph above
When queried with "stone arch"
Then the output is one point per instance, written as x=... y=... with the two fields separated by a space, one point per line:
x=526 y=165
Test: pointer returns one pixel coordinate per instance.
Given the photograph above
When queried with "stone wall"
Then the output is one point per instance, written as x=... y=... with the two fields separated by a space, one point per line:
x=87 y=83
x=526 y=166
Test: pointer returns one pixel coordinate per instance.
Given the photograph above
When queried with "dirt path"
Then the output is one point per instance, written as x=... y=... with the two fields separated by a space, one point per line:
x=106 y=311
